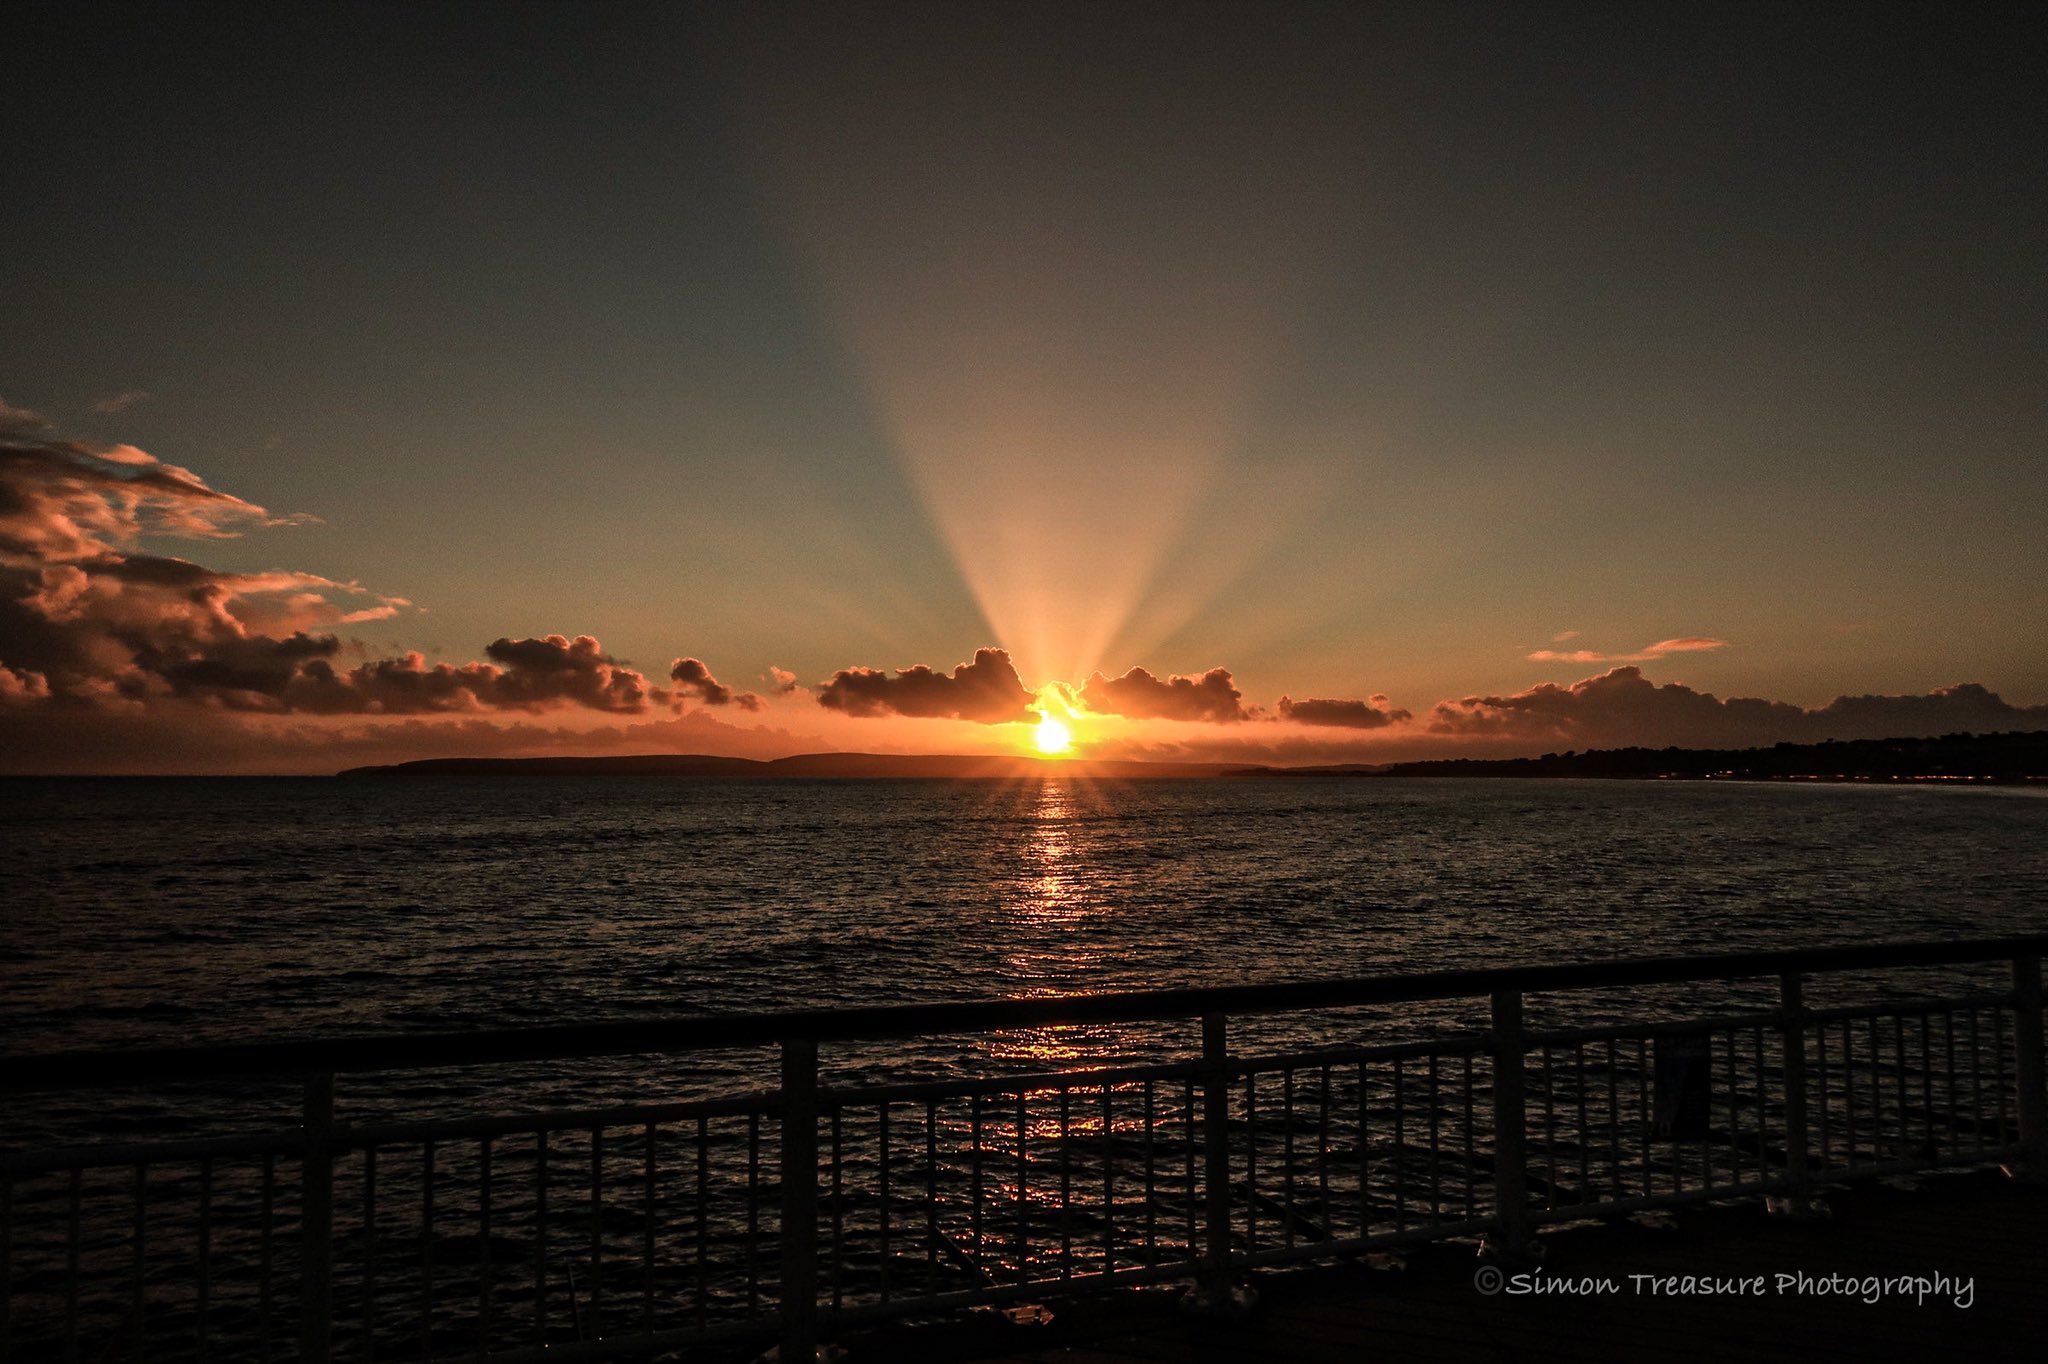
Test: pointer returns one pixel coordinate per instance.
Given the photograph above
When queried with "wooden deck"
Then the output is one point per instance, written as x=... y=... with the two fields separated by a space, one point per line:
x=1979 y=1227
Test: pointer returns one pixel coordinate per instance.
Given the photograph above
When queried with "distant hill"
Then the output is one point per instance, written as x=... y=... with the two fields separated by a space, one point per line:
x=804 y=766
x=2015 y=757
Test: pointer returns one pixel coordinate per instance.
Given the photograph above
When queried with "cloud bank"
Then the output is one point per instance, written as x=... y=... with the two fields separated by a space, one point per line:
x=986 y=690
x=1139 y=695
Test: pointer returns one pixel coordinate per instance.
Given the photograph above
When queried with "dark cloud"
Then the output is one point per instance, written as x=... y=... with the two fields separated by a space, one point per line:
x=547 y=673
x=692 y=678
x=88 y=622
x=987 y=690
x=1140 y=695
x=1622 y=707
x=1375 y=713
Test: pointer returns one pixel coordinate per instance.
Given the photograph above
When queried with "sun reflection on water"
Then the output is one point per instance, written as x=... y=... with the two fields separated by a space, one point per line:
x=1044 y=923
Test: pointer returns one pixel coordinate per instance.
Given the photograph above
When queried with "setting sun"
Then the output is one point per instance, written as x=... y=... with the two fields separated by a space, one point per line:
x=1052 y=736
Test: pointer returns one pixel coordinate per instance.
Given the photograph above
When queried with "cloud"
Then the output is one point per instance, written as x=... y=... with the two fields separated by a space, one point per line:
x=546 y=673
x=87 y=621
x=692 y=678
x=784 y=681
x=987 y=690
x=1622 y=707
x=1374 y=713
x=120 y=402
x=1649 y=654
x=1139 y=695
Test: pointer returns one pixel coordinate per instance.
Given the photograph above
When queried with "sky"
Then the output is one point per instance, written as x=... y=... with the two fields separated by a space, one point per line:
x=1290 y=383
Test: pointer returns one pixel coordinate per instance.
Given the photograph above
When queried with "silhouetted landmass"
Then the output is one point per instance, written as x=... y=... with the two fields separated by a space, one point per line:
x=2016 y=757
x=804 y=766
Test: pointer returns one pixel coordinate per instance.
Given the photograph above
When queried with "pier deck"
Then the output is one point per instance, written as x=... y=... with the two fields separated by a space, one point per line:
x=1976 y=1227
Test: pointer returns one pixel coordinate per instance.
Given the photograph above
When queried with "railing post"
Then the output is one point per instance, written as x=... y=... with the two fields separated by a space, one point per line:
x=1510 y=1242
x=1798 y=1200
x=2033 y=1098
x=316 y=1223
x=1214 y=1294
x=799 y=1200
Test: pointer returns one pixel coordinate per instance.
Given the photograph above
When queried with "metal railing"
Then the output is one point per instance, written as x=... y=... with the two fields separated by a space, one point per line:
x=727 y=1221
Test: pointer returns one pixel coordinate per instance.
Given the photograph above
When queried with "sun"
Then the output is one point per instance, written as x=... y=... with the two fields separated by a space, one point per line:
x=1052 y=737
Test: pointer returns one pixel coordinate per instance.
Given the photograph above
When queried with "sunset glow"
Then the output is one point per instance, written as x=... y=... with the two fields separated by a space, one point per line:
x=1052 y=737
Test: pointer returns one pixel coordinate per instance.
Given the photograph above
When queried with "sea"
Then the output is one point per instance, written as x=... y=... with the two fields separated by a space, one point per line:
x=154 y=912
x=151 y=913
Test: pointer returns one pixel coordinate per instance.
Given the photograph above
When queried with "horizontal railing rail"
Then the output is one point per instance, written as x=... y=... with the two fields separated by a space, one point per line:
x=816 y=1200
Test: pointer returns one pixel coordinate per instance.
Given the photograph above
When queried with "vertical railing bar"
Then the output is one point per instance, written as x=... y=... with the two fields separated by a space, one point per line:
x=1023 y=1198
x=1108 y=1179
x=1215 y=1282
x=1400 y=1148
x=1763 y=1172
x=883 y=1191
x=1287 y=1157
x=71 y=1275
x=931 y=1197
x=1827 y=1101
x=1323 y=1152
x=1471 y=1148
x=1899 y=1083
x=1998 y=1070
x=703 y=1294
x=1613 y=1120
x=647 y=1245
x=1189 y=1203
x=1511 y=1190
x=203 y=1278
x=426 y=1250
x=7 y=1274
x=369 y=1254
x=1364 y=1152
x=974 y=1179
x=1251 y=1162
x=1151 y=1182
x=1579 y=1081
x=839 y=1209
x=141 y=1248
x=1927 y=1081
x=1549 y=1127
x=1066 y=1184
x=753 y=1197
x=1643 y=1121
x=597 y=1231
x=1948 y=1089
x=1436 y=1192
x=1976 y=1078
x=1848 y=1096
x=2028 y=1068
x=540 y=1237
x=484 y=1273
x=316 y=1292
x=1792 y=1034
x=799 y=1157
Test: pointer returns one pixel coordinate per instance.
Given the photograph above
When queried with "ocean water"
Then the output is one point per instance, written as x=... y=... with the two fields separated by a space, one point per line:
x=155 y=912
x=169 y=912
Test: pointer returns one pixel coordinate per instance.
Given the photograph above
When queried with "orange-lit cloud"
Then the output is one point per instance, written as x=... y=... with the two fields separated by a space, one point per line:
x=1139 y=695
x=987 y=690
x=1691 y=644
x=1375 y=713
x=693 y=679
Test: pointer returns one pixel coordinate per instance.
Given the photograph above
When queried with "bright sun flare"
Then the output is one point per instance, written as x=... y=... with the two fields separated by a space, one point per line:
x=1052 y=736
